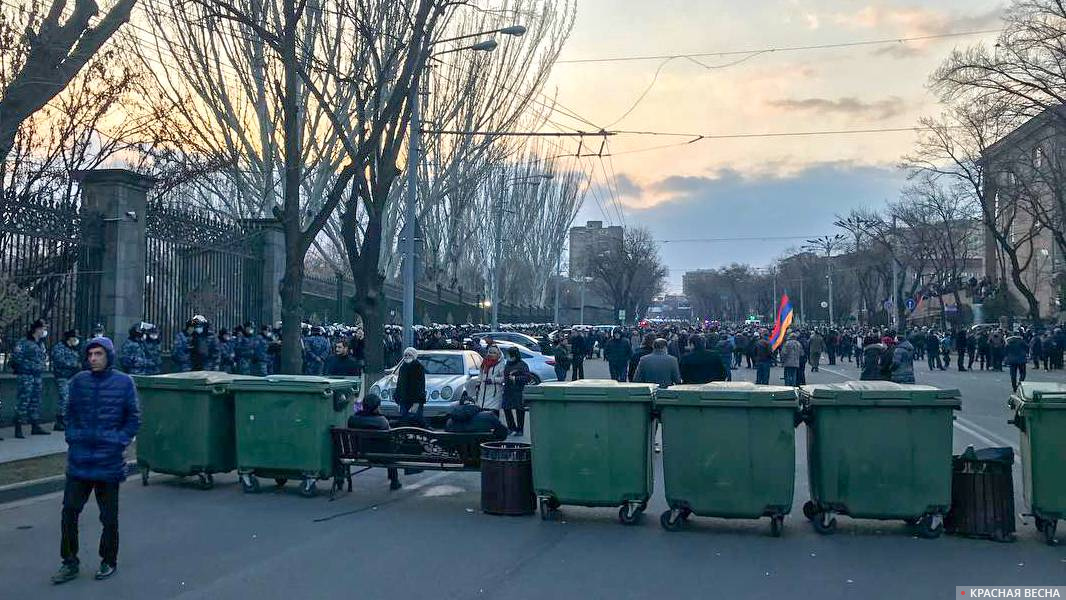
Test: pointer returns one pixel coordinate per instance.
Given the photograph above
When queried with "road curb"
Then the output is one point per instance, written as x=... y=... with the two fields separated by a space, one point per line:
x=14 y=492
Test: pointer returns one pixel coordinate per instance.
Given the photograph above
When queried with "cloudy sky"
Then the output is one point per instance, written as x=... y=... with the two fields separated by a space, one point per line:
x=771 y=186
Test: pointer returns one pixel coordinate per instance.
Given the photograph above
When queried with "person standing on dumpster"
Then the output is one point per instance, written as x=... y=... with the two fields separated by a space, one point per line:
x=103 y=416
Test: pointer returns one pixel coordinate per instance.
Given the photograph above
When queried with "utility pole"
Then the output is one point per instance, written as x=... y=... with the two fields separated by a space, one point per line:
x=495 y=287
x=803 y=311
x=583 y=284
x=829 y=266
x=827 y=244
x=558 y=275
x=409 y=218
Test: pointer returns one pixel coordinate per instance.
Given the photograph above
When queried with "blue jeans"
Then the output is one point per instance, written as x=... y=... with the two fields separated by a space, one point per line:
x=790 y=376
x=762 y=373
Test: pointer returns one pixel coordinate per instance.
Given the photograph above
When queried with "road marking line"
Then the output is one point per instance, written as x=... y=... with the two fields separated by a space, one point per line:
x=980 y=437
x=998 y=438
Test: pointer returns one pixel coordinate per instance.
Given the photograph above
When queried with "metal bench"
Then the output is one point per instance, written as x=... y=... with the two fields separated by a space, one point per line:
x=409 y=448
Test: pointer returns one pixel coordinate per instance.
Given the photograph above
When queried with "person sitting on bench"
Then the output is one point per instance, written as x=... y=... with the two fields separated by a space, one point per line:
x=368 y=417
x=470 y=418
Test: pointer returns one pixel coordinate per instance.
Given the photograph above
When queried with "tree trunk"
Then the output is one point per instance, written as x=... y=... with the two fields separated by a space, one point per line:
x=295 y=243
x=292 y=313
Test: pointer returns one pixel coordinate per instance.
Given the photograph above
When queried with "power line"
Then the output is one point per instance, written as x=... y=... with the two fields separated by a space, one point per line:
x=773 y=49
x=735 y=239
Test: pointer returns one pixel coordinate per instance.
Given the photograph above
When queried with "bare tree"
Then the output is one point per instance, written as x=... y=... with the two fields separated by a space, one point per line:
x=632 y=275
x=43 y=51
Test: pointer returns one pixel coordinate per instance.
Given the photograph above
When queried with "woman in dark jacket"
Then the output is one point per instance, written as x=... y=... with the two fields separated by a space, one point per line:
x=410 y=385
x=871 y=359
x=515 y=378
x=645 y=349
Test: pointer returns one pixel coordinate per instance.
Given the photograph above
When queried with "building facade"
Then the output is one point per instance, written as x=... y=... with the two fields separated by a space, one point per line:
x=589 y=241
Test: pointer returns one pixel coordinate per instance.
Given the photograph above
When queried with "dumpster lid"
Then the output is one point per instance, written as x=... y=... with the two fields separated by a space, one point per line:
x=1042 y=391
x=293 y=383
x=872 y=392
x=739 y=392
x=188 y=379
x=590 y=390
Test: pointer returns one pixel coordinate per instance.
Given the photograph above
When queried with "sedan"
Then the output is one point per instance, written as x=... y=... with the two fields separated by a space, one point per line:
x=541 y=366
x=451 y=375
x=508 y=336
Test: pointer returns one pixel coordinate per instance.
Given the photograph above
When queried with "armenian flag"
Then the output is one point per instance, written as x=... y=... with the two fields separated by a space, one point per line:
x=782 y=323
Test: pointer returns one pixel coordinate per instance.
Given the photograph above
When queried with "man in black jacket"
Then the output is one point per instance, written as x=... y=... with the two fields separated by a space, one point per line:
x=617 y=352
x=702 y=365
x=578 y=351
x=368 y=417
x=342 y=363
x=410 y=385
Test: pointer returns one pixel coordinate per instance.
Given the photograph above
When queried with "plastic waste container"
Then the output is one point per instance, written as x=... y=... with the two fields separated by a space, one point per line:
x=982 y=494
x=507 y=479
x=1040 y=415
x=283 y=427
x=187 y=425
x=592 y=445
x=729 y=450
x=879 y=450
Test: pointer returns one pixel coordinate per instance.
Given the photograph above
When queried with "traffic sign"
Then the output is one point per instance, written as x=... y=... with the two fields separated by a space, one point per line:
x=911 y=304
x=888 y=304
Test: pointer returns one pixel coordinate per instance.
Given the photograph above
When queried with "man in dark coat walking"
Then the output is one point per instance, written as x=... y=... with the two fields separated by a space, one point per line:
x=617 y=351
x=103 y=416
x=579 y=349
x=702 y=365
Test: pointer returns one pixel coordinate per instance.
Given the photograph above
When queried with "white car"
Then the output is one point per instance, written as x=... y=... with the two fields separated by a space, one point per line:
x=451 y=375
x=541 y=366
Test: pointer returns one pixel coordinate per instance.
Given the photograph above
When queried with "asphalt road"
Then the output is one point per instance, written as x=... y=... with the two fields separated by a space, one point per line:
x=429 y=540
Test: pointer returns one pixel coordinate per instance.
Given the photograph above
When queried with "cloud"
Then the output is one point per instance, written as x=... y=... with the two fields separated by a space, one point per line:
x=911 y=22
x=730 y=204
x=626 y=187
x=851 y=106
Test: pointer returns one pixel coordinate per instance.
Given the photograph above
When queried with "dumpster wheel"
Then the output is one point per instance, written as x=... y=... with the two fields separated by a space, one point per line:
x=249 y=483
x=931 y=526
x=630 y=512
x=777 y=525
x=674 y=519
x=206 y=481
x=549 y=508
x=825 y=522
x=1048 y=528
x=280 y=482
x=810 y=510
x=144 y=476
x=308 y=489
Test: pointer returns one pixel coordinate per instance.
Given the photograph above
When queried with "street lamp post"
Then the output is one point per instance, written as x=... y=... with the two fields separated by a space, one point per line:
x=494 y=287
x=827 y=244
x=410 y=230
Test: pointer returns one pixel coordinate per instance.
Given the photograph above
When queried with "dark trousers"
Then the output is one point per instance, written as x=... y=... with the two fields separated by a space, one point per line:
x=75 y=495
x=618 y=371
x=762 y=373
x=579 y=368
x=790 y=375
x=934 y=360
x=1017 y=375
x=962 y=359
x=405 y=410
x=560 y=373
x=516 y=418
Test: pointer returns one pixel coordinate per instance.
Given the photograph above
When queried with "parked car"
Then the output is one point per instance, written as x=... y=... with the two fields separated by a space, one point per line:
x=509 y=336
x=451 y=376
x=540 y=365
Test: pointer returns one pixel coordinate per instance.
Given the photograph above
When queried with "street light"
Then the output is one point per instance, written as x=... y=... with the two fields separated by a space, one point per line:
x=827 y=244
x=412 y=176
x=494 y=288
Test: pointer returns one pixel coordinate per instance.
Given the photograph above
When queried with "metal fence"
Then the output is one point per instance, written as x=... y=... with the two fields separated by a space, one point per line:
x=49 y=267
x=199 y=263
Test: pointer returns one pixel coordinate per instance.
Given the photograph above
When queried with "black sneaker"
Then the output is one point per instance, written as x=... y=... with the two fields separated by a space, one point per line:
x=395 y=485
x=105 y=571
x=66 y=573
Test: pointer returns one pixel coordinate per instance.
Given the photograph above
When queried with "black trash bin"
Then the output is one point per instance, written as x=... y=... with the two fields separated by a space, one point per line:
x=507 y=478
x=982 y=494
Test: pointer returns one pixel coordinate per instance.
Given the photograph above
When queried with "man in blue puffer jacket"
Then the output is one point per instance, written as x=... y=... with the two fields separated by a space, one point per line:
x=103 y=415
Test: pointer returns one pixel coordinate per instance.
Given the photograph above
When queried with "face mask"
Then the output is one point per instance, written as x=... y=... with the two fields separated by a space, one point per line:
x=44 y=334
x=73 y=343
x=408 y=359
x=199 y=330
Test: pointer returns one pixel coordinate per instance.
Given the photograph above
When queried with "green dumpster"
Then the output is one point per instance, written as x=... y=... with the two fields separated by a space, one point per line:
x=283 y=428
x=729 y=450
x=879 y=450
x=1040 y=415
x=592 y=445
x=187 y=425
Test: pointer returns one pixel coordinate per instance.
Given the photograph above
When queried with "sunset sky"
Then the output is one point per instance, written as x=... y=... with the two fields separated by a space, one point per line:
x=775 y=187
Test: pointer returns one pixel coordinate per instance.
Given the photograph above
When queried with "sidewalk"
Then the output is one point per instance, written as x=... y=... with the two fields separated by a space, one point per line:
x=31 y=447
